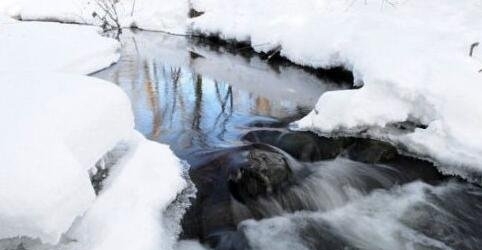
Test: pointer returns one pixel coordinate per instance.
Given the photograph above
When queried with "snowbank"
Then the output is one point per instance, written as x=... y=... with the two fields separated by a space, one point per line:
x=29 y=46
x=67 y=123
x=128 y=214
x=57 y=125
x=412 y=59
x=161 y=15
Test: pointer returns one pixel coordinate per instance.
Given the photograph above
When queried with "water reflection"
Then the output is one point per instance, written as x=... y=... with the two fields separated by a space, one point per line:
x=193 y=97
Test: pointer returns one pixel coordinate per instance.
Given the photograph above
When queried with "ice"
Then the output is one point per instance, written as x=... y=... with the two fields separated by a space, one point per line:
x=412 y=59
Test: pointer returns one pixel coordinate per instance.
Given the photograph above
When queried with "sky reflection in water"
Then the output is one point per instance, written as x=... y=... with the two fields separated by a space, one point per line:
x=193 y=97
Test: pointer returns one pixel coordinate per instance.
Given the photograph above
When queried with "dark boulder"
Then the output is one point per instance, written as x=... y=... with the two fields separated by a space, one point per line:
x=303 y=146
x=229 y=182
x=371 y=151
x=269 y=170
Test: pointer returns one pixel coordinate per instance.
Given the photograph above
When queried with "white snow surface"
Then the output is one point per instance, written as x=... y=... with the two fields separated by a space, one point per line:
x=412 y=58
x=128 y=214
x=37 y=46
x=159 y=15
x=56 y=125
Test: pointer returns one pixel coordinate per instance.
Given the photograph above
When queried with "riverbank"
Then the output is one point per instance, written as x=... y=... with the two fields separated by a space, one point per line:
x=61 y=127
x=412 y=59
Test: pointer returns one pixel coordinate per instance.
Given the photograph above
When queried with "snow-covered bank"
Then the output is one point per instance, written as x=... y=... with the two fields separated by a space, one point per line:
x=37 y=46
x=160 y=15
x=45 y=186
x=412 y=58
x=128 y=214
x=56 y=126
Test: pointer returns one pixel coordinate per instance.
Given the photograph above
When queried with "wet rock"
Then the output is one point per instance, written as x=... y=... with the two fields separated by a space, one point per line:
x=303 y=146
x=371 y=151
x=309 y=147
x=194 y=13
x=411 y=169
x=98 y=178
x=228 y=180
x=269 y=170
x=211 y=212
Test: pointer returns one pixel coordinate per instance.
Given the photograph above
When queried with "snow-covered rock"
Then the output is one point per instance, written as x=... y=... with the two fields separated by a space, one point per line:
x=411 y=56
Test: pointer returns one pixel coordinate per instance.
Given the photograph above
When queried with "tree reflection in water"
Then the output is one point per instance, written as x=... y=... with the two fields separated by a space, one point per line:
x=193 y=97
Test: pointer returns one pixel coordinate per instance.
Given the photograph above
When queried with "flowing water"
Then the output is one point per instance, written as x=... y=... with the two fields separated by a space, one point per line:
x=261 y=186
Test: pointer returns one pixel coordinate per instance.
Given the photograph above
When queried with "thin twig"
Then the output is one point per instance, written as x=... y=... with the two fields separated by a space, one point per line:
x=133 y=7
x=472 y=47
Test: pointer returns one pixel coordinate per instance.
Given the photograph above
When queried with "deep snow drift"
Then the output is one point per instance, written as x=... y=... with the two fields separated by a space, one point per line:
x=412 y=59
x=57 y=127
x=161 y=15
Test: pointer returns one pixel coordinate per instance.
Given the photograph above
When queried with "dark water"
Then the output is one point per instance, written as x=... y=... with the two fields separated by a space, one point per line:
x=261 y=186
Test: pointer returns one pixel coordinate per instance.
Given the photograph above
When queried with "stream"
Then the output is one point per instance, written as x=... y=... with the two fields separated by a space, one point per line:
x=226 y=111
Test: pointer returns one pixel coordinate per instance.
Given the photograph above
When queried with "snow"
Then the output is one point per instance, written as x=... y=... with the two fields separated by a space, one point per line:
x=159 y=15
x=127 y=215
x=57 y=125
x=37 y=46
x=412 y=59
